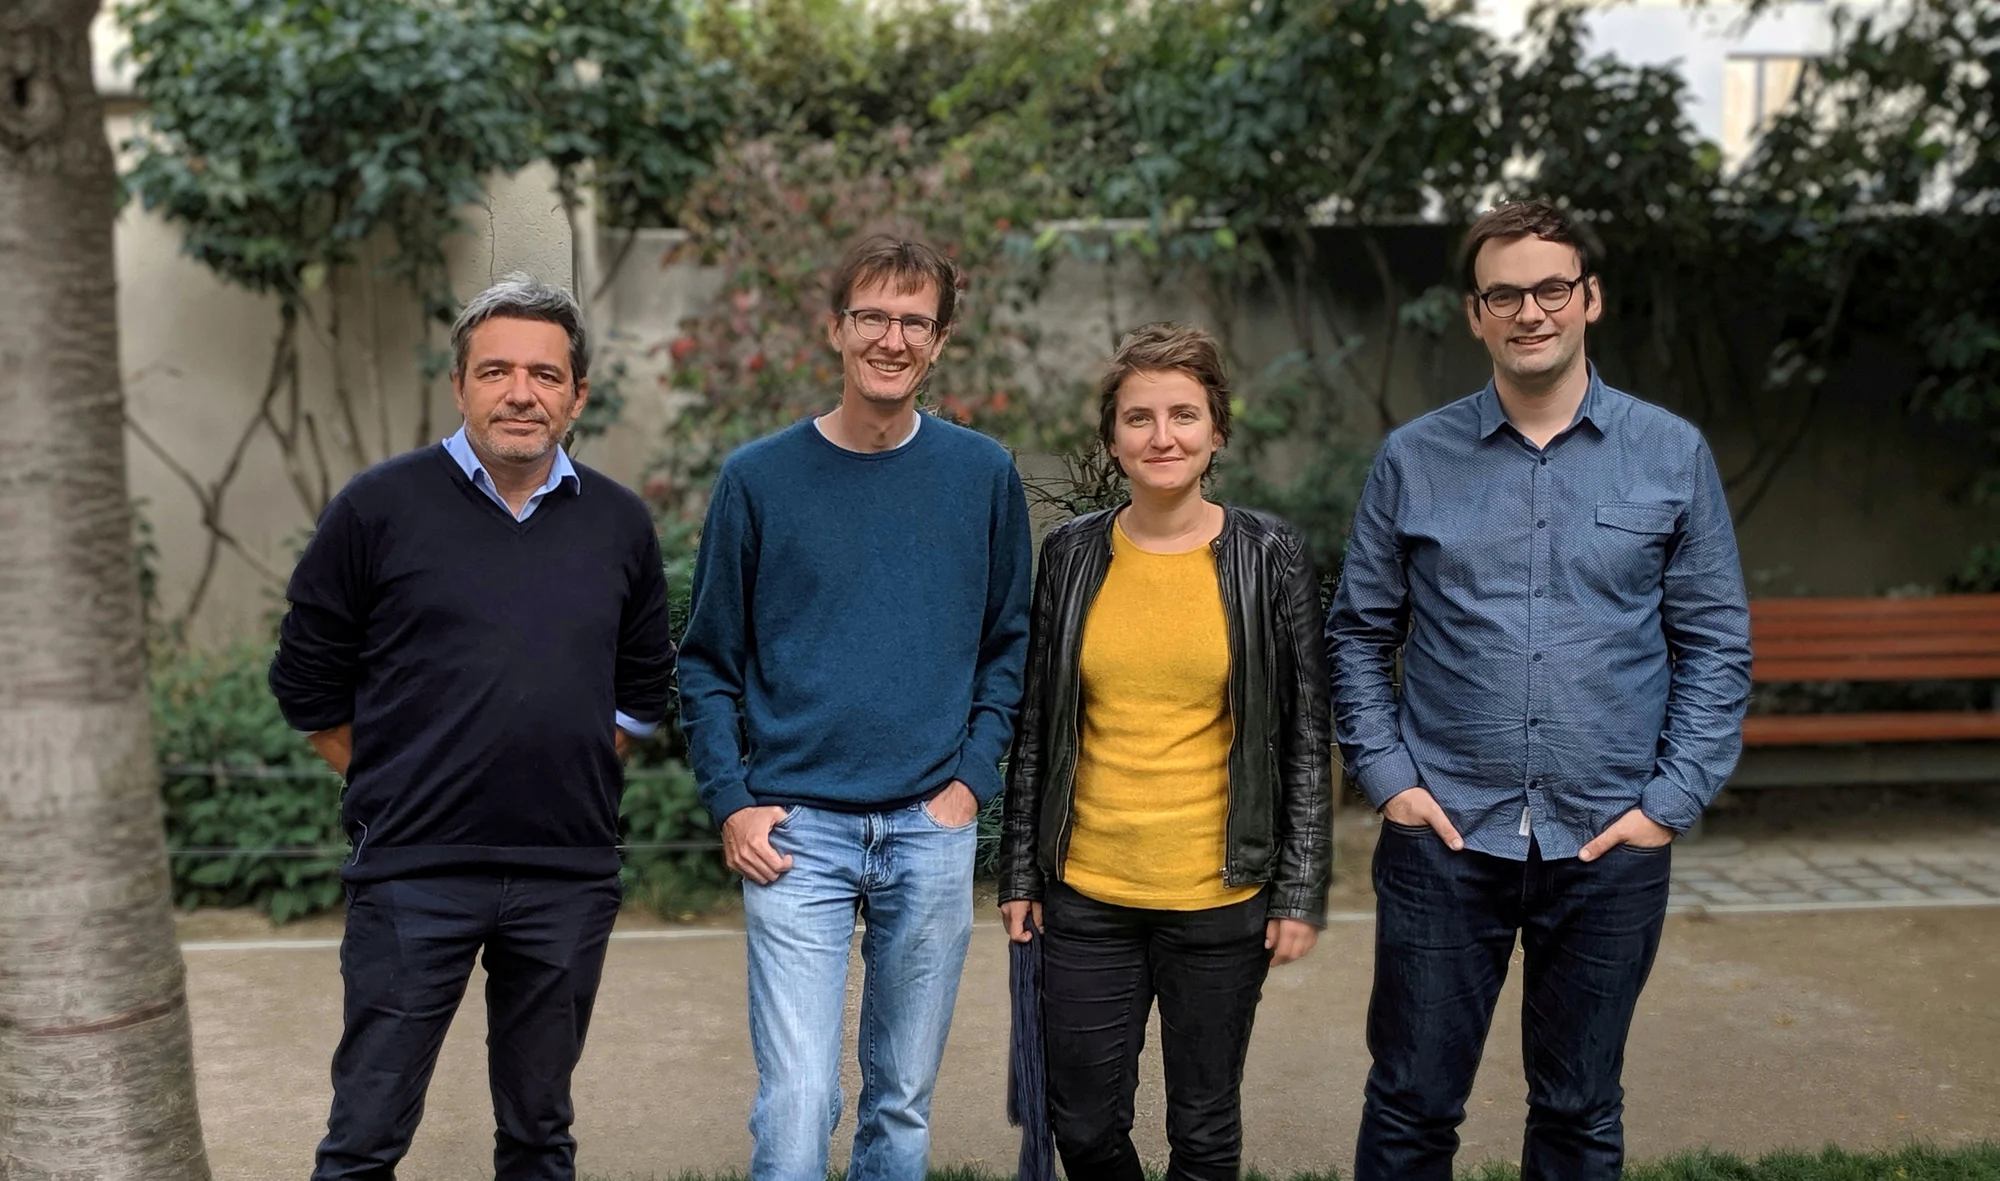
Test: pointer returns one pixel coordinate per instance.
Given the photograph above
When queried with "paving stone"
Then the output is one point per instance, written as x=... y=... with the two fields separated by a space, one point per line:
x=1901 y=894
x=1959 y=892
x=1788 y=896
x=1877 y=883
x=1842 y=894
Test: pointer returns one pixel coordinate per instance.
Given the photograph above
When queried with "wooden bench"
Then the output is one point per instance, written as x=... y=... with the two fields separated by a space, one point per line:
x=1949 y=637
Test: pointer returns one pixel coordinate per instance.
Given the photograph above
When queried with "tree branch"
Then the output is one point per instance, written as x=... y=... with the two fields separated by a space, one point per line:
x=1392 y=322
x=376 y=385
x=209 y=497
x=617 y=264
x=1824 y=339
x=343 y=398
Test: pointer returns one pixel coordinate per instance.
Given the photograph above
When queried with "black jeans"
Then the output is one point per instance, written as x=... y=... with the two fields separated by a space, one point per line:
x=405 y=960
x=1102 y=967
x=1445 y=929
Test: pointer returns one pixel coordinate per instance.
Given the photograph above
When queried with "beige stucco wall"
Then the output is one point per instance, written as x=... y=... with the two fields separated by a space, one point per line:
x=196 y=351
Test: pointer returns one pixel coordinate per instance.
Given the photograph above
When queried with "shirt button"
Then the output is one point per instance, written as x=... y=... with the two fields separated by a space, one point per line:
x=1540 y=591
x=1545 y=461
x=1538 y=658
x=1534 y=721
x=1541 y=524
x=1534 y=783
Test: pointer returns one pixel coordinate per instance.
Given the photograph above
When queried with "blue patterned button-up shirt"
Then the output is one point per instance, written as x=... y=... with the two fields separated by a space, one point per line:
x=1573 y=626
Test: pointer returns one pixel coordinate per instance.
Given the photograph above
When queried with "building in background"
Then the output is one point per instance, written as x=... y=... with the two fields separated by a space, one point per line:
x=1740 y=70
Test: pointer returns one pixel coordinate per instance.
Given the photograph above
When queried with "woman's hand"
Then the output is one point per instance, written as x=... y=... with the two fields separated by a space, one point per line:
x=1288 y=940
x=1017 y=915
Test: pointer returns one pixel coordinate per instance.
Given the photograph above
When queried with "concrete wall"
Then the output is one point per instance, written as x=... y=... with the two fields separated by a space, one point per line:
x=196 y=353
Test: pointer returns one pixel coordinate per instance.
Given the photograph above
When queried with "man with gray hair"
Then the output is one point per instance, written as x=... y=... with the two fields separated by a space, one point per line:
x=474 y=630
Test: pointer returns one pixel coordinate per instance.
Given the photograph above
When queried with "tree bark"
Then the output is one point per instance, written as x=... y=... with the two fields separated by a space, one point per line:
x=96 y=1069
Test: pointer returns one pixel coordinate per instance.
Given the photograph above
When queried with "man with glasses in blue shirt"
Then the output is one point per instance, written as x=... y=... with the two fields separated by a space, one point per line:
x=1555 y=561
x=849 y=677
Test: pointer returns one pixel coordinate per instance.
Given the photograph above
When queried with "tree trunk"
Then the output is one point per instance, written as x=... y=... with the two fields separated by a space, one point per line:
x=96 y=1070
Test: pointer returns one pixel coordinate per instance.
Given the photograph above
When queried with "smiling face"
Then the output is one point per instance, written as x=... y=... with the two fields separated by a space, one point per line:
x=890 y=370
x=1164 y=436
x=1534 y=348
x=516 y=391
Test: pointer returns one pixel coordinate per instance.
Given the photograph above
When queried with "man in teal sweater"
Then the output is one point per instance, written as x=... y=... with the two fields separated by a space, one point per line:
x=849 y=679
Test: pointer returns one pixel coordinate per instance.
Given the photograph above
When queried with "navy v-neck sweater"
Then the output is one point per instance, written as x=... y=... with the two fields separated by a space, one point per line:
x=480 y=660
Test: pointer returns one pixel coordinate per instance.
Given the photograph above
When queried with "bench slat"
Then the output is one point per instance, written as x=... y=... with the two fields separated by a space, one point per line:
x=1876 y=668
x=1945 y=606
x=1858 y=647
x=1825 y=729
x=1764 y=630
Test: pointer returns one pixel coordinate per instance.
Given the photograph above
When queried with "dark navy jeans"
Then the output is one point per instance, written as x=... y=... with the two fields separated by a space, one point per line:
x=405 y=959
x=1445 y=929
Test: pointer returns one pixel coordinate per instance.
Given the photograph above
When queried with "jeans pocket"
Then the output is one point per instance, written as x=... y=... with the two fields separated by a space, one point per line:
x=791 y=813
x=924 y=809
x=1408 y=829
x=1646 y=850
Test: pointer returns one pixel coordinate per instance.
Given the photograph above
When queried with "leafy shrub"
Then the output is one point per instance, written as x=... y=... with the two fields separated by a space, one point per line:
x=237 y=777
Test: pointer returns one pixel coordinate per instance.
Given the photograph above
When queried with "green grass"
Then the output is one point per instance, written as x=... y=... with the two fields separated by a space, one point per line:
x=1979 y=1162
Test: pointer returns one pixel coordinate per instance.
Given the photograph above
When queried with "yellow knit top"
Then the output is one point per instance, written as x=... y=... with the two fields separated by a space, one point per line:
x=1152 y=775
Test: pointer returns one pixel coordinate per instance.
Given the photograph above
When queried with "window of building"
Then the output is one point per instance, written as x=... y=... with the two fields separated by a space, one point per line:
x=1755 y=88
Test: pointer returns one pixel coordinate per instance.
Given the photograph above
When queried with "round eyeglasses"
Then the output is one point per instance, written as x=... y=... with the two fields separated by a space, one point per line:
x=1553 y=295
x=873 y=324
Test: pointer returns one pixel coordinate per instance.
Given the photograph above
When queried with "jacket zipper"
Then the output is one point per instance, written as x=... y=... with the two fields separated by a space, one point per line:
x=1076 y=716
x=1229 y=695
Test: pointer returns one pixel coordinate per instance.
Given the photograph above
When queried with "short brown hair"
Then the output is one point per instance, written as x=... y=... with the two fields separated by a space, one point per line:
x=906 y=263
x=1516 y=219
x=1163 y=347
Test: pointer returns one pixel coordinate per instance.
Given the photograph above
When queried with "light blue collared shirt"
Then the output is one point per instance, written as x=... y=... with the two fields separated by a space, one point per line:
x=468 y=461
x=460 y=449
x=1572 y=621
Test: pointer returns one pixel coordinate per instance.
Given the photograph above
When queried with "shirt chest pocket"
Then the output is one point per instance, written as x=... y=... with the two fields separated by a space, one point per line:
x=1628 y=545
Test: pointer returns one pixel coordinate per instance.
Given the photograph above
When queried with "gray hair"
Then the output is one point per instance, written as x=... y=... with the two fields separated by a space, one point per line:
x=517 y=296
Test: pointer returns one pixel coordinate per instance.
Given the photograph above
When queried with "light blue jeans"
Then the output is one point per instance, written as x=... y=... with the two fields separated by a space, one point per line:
x=910 y=879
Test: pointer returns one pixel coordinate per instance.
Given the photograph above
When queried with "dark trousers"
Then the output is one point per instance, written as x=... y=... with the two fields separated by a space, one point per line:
x=1445 y=930
x=405 y=959
x=1102 y=967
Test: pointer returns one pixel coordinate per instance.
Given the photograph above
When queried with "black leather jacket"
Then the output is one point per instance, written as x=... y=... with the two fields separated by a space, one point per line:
x=1280 y=762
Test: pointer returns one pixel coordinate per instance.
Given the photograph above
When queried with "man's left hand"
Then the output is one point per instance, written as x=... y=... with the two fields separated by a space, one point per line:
x=1635 y=828
x=954 y=807
x=621 y=742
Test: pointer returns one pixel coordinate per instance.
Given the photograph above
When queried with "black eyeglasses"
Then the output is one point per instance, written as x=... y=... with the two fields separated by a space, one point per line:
x=873 y=324
x=1552 y=296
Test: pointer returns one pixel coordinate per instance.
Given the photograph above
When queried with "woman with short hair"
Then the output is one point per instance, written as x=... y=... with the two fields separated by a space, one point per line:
x=1166 y=831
